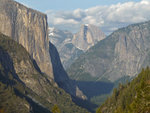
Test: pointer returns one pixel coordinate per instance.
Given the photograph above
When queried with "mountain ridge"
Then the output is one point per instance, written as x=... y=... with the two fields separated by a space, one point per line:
x=87 y=37
x=70 y=45
x=30 y=28
x=17 y=65
x=115 y=56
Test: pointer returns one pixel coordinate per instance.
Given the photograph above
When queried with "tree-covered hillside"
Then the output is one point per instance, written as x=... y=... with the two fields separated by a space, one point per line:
x=117 y=58
x=134 y=97
x=23 y=88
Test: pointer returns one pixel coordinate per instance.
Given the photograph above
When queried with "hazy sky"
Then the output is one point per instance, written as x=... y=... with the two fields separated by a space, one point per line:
x=44 y=5
x=108 y=15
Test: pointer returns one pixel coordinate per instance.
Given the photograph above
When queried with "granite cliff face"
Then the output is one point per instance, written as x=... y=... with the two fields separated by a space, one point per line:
x=120 y=55
x=87 y=37
x=20 y=72
x=29 y=28
x=70 y=46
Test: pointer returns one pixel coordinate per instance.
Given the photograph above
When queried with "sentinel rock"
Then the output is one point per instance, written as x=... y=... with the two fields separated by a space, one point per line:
x=29 y=28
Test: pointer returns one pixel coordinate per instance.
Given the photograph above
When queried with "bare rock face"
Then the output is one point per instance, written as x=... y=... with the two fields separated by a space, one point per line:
x=29 y=28
x=122 y=54
x=61 y=77
x=63 y=42
x=19 y=71
x=87 y=37
x=131 y=50
x=70 y=46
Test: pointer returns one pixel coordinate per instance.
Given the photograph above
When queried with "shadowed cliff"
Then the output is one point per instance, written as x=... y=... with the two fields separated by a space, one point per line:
x=30 y=89
x=60 y=75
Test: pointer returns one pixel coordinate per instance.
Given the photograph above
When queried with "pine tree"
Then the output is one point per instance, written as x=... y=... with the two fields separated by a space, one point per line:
x=55 y=109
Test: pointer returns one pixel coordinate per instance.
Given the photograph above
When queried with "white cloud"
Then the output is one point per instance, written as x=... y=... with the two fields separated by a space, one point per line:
x=61 y=20
x=146 y=2
x=108 y=18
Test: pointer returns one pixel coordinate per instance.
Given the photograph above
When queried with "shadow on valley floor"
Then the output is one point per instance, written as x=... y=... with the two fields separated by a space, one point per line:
x=64 y=82
x=91 y=89
x=85 y=104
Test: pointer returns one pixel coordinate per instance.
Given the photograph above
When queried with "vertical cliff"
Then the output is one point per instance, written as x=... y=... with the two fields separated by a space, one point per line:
x=87 y=37
x=70 y=46
x=23 y=89
x=122 y=54
x=29 y=28
x=63 y=42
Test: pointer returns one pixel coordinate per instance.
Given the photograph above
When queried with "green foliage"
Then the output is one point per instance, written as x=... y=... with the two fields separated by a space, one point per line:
x=1 y=110
x=55 y=109
x=98 y=110
x=141 y=102
x=10 y=102
x=99 y=100
x=15 y=97
x=133 y=97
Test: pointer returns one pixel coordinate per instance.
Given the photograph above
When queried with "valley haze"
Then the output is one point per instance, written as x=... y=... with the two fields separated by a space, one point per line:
x=74 y=56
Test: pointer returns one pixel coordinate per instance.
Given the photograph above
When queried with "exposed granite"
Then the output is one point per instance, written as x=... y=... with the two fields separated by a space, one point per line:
x=87 y=37
x=63 y=41
x=29 y=28
x=121 y=54
x=16 y=64
x=70 y=46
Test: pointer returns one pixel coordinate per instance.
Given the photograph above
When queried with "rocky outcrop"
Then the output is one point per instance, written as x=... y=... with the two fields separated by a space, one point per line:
x=121 y=54
x=29 y=28
x=87 y=37
x=62 y=79
x=19 y=71
x=70 y=46
x=63 y=41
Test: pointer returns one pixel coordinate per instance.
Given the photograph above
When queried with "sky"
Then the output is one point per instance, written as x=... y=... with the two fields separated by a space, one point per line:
x=108 y=15
x=44 y=5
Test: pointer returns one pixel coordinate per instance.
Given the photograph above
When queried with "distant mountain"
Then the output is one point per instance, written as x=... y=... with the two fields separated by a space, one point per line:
x=71 y=46
x=119 y=56
x=63 y=42
x=30 y=29
x=23 y=88
x=133 y=97
x=87 y=37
